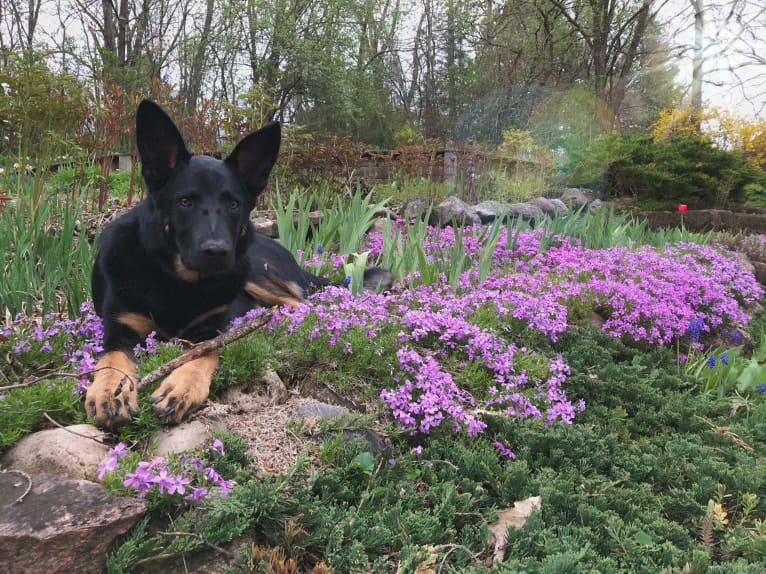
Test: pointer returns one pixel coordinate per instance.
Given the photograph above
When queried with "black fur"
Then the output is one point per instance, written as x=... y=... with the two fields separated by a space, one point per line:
x=197 y=213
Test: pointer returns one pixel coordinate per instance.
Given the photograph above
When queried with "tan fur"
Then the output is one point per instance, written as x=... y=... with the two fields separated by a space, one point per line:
x=112 y=399
x=184 y=272
x=140 y=324
x=185 y=389
x=274 y=292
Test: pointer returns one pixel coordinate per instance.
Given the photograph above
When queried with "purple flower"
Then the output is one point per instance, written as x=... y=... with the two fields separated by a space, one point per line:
x=106 y=464
x=196 y=494
x=164 y=480
x=197 y=464
x=724 y=358
x=319 y=249
x=417 y=450
x=178 y=485
x=503 y=450
x=711 y=360
x=346 y=282
x=217 y=447
x=735 y=337
x=141 y=481
x=762 y=387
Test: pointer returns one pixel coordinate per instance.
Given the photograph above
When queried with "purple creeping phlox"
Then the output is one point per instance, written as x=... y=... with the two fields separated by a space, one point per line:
x=157 y=474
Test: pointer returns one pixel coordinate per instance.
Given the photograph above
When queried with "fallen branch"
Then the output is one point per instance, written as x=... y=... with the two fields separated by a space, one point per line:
x=36 y=380
x=25 y=475
x=93 y=438
x=204 y=349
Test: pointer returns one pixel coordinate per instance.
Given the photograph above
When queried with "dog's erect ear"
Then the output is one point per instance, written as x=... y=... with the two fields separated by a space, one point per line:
x=254 y=157
x=160 y=145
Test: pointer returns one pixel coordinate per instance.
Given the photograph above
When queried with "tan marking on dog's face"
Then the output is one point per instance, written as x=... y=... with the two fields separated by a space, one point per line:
x=140 y=324
x=185 y=389
x=206 y=315
x=272 y=293
x=112 y=399
x=183 y=272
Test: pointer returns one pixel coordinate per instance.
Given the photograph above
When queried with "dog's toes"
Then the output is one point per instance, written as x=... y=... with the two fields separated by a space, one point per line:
x=108 y=410
x=112 y=399
x=179 y=396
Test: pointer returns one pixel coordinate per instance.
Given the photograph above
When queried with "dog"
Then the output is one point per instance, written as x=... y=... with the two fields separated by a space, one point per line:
x=184 y=262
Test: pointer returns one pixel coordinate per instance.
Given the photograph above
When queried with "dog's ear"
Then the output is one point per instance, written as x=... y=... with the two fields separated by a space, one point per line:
x=254 y=157
x=160 y=145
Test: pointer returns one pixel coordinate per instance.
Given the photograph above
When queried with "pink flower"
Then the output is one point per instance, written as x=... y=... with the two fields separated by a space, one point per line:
x=682 y=208
x=217 y=447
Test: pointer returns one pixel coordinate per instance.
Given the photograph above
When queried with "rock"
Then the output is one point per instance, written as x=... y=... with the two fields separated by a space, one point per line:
x=275 y=389
x=379 y=224
x=546 y=205
x=317 y=409
x=189 y=435
x=594 y=206
x=375 y=444
x=561 y=208
x=59 y=452
x=490 y=210
x=575 y=198
x=266 y=226
x=528 y=211
x=453 y=208
x=62 y=525
x=760 y=272
x=415 y=207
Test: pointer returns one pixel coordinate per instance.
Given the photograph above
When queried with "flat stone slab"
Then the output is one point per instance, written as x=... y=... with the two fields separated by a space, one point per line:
x=60 y=452
x=318 y=409
x=190 y=435
x=62 y=525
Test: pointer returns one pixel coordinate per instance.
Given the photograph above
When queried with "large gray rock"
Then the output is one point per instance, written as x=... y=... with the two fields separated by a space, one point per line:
x=62 y=525
x=318 y=409
x=490 y=210
x=189 y=435
x=59 y=452
x=546 y=205
x=454 y=208
x=576 y=198
x=415 y=207
x=561 y=208
x=266 y=226
x=528 y=211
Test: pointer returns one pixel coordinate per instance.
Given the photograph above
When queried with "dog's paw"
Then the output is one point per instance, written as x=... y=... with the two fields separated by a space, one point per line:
x=184 y=390
x=112 y=399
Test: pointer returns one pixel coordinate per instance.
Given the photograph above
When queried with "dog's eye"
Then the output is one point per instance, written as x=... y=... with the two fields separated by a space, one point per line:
x=185 y=202
x=233 y=204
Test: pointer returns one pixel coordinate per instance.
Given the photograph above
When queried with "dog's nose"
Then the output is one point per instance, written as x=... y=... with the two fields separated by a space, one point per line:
x=215 y=248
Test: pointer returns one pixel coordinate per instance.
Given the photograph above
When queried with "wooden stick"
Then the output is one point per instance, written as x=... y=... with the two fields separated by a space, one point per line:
x=204 y=349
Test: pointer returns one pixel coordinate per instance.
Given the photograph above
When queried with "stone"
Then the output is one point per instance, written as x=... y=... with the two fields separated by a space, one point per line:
x=594 y=206
x=62 y=525
x=415 y=207
x=453 y=208
x=266 y=226
x=317 y=409
x=379 y=224
x=189 y=435
x=546 y=205
x=575 y=198
x=375 y=443
x=528 y=211
x=59 y=452
x=561 y=208
x=490 y=210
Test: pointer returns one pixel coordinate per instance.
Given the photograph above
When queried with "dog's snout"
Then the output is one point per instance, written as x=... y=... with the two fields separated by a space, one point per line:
x=215 y=248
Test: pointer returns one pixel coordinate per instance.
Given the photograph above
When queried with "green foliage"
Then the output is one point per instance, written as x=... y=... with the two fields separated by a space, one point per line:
x=46 y=264
x=687 y=170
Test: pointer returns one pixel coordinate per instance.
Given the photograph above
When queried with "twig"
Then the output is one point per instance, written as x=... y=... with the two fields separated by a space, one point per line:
x=204 y=348
x=95 y=438
x=450 y=549
x=25 y=475
x=726 y=432
x=36 y=380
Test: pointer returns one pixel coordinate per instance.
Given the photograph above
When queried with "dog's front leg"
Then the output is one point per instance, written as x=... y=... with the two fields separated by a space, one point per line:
x=185 y=389
x=112 y=399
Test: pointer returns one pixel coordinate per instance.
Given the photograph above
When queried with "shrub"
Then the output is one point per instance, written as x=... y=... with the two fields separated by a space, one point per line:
x=683 y=169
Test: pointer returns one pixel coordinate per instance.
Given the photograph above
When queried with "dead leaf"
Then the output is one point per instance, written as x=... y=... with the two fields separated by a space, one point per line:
x=516 y=516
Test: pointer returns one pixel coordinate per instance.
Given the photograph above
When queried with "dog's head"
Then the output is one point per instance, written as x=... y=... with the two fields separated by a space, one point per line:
x=204 y=203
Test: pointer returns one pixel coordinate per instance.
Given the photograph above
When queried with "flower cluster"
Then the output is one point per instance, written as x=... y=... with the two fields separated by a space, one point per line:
x=164 y=475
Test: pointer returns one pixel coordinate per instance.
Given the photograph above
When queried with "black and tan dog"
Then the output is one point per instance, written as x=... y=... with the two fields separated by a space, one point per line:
x=184 y=262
